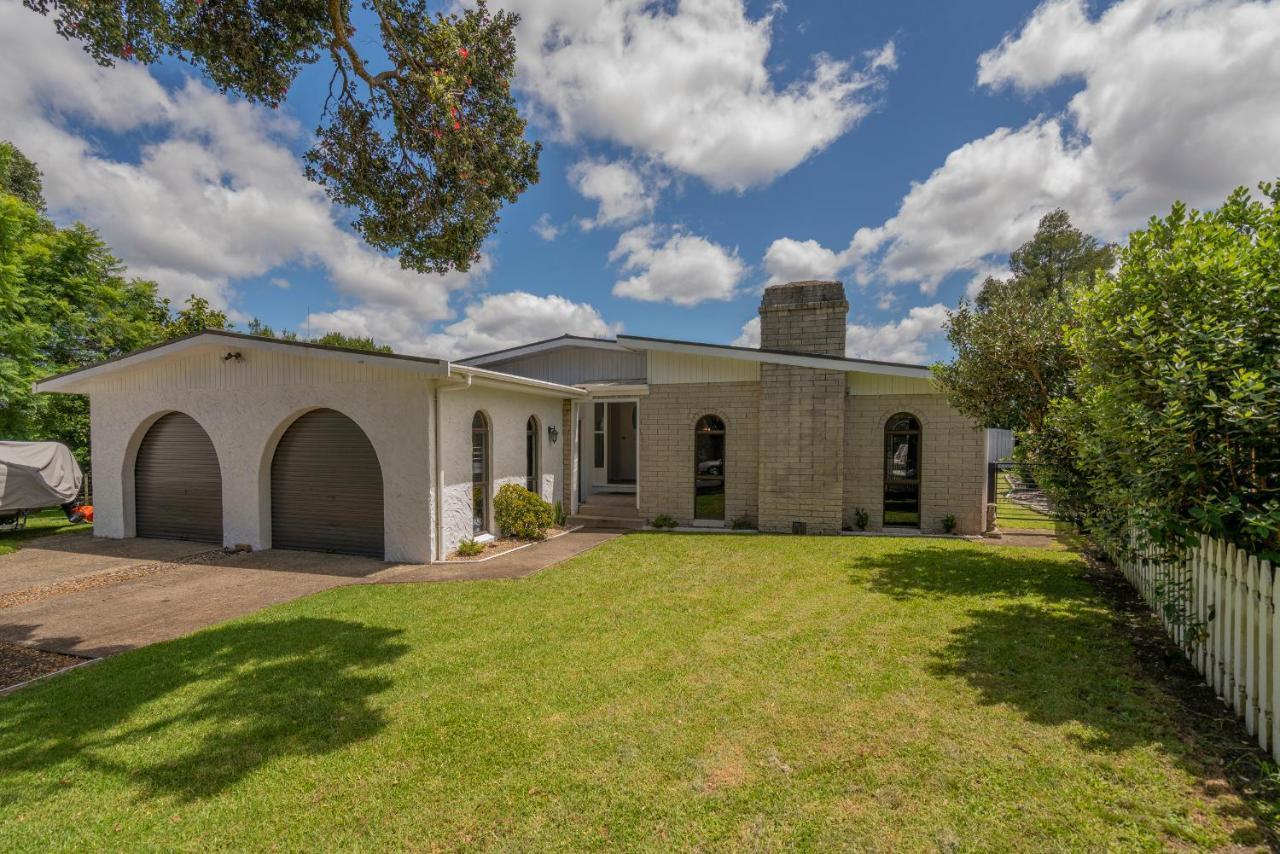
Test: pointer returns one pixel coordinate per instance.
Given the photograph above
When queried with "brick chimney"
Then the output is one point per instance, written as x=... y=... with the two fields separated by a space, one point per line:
x=804 y=317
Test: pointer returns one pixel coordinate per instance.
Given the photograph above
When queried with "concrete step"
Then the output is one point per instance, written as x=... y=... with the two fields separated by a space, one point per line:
x=612 y=511
x=606 y=522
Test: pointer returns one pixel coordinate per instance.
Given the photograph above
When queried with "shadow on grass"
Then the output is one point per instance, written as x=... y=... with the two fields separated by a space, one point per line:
x=1057 y=666
x=193 y=716
x=935 y=571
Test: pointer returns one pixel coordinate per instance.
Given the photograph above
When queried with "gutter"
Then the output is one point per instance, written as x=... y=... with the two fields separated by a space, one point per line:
x=435 y=450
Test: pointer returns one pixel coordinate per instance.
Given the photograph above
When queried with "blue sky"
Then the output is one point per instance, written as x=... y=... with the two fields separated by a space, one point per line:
x=901 y=147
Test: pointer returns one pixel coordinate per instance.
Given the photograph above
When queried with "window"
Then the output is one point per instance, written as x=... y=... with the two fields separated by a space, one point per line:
x=599 y=435
x=902 y=471
x=479 y=474
x=708 y=468
x=532 y=456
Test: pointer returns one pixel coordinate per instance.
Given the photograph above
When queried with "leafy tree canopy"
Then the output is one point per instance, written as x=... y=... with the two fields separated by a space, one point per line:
x=196 y=316
x=1177 y=413
x=419 y=136
x=64 y=303
x=330 y=339
x=20 y=177
x=1011 y=356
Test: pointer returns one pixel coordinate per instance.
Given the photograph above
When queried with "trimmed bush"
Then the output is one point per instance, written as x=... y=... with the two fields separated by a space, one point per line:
x=521 y=514
x=861 y=518
x=744 y=523
x=470 y=548
x=949 y=523
x=663 y=521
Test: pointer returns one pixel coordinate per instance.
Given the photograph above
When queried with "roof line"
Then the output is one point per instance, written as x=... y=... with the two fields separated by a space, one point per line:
x=534 y=345
x=761 y=351
x=186 y=340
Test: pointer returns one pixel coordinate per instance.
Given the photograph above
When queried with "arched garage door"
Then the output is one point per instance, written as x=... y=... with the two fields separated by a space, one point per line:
x=177 y=485
x=326 y=487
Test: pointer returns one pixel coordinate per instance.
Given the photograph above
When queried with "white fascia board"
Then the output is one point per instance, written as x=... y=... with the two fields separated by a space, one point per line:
x=827 y=363
x=511 y=382
x=543 y=347
x=80 y=381
x=615 y=389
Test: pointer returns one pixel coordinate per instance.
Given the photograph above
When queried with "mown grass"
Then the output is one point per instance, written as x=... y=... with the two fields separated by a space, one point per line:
x=39 y=524
x=662 y=691
x=1016 y=516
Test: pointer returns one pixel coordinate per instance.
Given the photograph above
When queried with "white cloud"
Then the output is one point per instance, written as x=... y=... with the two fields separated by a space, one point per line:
x=545 y=228
x=788 y=260
x=1177 y=100
x=906 y=340
x=215 y=196
x=750 y=334
x=616 y=187
x=281 y=283
x=495 y=322
x=684 y=269
x=687 y=84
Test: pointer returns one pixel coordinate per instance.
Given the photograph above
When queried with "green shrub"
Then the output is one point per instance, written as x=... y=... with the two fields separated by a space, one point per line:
x=861 y=518
x=470 y=548
x=949 y=523
x=663 y=521
x=744 y=523
x=560 y=516
x=521 y=514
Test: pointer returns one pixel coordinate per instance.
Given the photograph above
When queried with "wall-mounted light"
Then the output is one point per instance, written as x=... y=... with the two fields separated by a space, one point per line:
x=552 y=433
x=235 y=354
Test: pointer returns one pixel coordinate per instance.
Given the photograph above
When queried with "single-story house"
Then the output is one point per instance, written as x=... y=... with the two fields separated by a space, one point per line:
x=236 y=439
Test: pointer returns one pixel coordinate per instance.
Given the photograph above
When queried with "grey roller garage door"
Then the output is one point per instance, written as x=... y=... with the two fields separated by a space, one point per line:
x=177 y=484
x=326 y=487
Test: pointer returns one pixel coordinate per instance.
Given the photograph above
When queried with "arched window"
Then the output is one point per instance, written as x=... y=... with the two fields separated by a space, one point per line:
x=708 y=468
x=902 y=471
x=532 y=456
x=479 y=474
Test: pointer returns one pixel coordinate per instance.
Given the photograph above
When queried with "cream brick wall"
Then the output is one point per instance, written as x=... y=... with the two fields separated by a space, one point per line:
x=667 y=419
x=802 y=424
x=953 y=461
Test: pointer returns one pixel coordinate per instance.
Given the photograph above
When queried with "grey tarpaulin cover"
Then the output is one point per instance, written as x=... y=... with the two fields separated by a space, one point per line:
x=37 y=474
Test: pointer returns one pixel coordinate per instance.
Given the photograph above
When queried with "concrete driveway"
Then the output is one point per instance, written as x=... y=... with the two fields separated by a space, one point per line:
x=81 y=595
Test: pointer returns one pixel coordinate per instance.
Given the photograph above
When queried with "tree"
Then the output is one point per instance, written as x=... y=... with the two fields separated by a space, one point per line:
x=64 y=303
x=352 y=342
x=1177 y=412
x=425 y=150
x=1011 y=356
x=20 y=177
x=329 y=339
x=196 y=316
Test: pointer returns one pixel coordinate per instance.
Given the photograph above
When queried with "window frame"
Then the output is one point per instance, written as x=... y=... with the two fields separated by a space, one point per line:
x=480 y=424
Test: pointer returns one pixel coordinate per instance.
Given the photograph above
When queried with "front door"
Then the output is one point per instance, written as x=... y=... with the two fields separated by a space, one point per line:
x=622 y=443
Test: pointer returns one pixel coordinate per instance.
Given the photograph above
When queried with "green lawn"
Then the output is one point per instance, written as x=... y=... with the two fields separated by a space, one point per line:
x=38 y=525
x=662 y=691
x=1010 y=515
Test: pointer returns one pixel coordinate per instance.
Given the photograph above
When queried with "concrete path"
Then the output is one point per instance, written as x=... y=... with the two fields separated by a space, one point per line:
x=87 y=596
x=515 y=564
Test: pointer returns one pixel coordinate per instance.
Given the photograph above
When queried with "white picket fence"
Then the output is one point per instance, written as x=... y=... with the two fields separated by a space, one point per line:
x=1233 y=598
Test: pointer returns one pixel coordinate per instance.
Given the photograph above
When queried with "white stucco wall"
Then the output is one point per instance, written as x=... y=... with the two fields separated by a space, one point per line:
x=245 y=406
x=508 y=412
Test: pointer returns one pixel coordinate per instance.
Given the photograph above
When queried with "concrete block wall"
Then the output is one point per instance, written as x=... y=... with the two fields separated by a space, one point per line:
x=668 y=416
x=802 y=437
x=953 y=461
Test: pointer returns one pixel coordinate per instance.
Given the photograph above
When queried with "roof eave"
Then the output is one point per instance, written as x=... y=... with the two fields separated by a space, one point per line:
x=76 y=381
x=749 y=354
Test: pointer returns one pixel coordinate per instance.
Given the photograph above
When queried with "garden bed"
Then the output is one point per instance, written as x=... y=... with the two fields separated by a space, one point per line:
x=502 y=545
x=20 y=664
